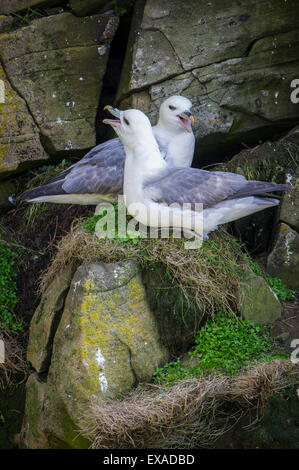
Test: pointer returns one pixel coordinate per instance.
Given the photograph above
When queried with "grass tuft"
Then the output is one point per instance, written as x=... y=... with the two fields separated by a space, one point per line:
x=209 y=278
x=191 y=413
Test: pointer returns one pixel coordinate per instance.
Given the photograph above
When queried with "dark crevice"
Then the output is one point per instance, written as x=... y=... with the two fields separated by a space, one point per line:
x=254 y=41
x=54 y=326
x=112 y=76
x=130 y=361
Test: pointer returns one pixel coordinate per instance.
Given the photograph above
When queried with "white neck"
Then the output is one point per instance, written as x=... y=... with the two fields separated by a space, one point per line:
x=143 y=161
x=176 y=143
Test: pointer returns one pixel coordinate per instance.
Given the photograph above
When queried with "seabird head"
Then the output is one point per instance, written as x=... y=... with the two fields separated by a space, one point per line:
x=131 y=126
x=175 y=112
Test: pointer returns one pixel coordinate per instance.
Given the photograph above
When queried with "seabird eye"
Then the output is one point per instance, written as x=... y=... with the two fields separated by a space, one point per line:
x=173 y=108
x=126 y=121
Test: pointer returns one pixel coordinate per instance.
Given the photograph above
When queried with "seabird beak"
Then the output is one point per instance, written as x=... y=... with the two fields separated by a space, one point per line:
x=115 y=112
x=112 y=122
x=186 y=119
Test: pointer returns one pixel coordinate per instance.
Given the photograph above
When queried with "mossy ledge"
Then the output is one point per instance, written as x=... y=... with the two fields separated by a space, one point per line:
x=209 y=278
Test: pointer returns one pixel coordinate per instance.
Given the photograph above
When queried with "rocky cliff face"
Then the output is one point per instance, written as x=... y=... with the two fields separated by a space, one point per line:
x=95 y=332
x=53 y=70
x=234 y=60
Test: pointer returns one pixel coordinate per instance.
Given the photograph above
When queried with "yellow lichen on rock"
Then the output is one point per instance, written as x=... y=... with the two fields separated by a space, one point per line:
x=118 y=333
x=107 y=342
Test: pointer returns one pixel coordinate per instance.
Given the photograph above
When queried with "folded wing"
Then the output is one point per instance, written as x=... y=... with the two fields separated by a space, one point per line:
x=99 y=172
x=190 y=185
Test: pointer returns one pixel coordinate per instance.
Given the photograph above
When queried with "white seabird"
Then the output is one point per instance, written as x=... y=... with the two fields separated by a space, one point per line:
x=98 y=176
x=150 y=186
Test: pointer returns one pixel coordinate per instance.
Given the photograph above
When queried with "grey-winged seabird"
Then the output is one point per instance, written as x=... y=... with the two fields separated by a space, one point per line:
x=98 y=176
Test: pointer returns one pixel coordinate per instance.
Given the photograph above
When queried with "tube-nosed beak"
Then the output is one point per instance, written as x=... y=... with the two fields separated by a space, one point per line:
x=186 y=119
x=114 y=111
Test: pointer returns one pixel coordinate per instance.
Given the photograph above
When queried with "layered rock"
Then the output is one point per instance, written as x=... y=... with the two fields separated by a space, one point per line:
x=20 y=144
x=235 y=61
x=87 y=7
x=19 y=5
x=289 y=208
x=57 y=64
x=283 y=261
x=259 y=304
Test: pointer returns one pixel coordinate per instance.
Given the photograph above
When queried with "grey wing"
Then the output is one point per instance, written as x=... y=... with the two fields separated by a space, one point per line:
x=190 y=185
x=99 y=172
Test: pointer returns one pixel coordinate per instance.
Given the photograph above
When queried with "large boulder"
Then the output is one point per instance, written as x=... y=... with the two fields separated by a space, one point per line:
x=259 y=304
x=33 y=428
x=20 y=144
x=57 y=64
x=107 y=341
x=283 y=261
x=234 y=60
x=89 y=7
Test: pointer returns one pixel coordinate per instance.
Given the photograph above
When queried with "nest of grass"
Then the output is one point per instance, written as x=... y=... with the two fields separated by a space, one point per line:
x=210 y=277
x=193 y=412
x=14 y=360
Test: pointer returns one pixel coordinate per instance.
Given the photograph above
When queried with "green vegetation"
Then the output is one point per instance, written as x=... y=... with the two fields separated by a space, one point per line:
x=281 y=290
x=39 y=177
x=109 y=217
x=224 y=344
x=8 y=297
x=42 y=174
x=90 y=223
x=209 y=277
x=29 y=15
x=254 y=266
x=266 y=162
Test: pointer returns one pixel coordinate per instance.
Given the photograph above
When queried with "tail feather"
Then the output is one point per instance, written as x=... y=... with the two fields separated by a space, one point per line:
x=51 y=189
x=253 y=188
x=230 y=210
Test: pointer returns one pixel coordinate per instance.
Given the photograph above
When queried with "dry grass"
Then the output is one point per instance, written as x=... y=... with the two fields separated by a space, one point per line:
x=15 y=362
x=211 y=275
x=193 y=412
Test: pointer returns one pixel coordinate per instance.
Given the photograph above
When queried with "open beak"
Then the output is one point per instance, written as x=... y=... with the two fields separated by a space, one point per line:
x=115 y=112
x=186 y=120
